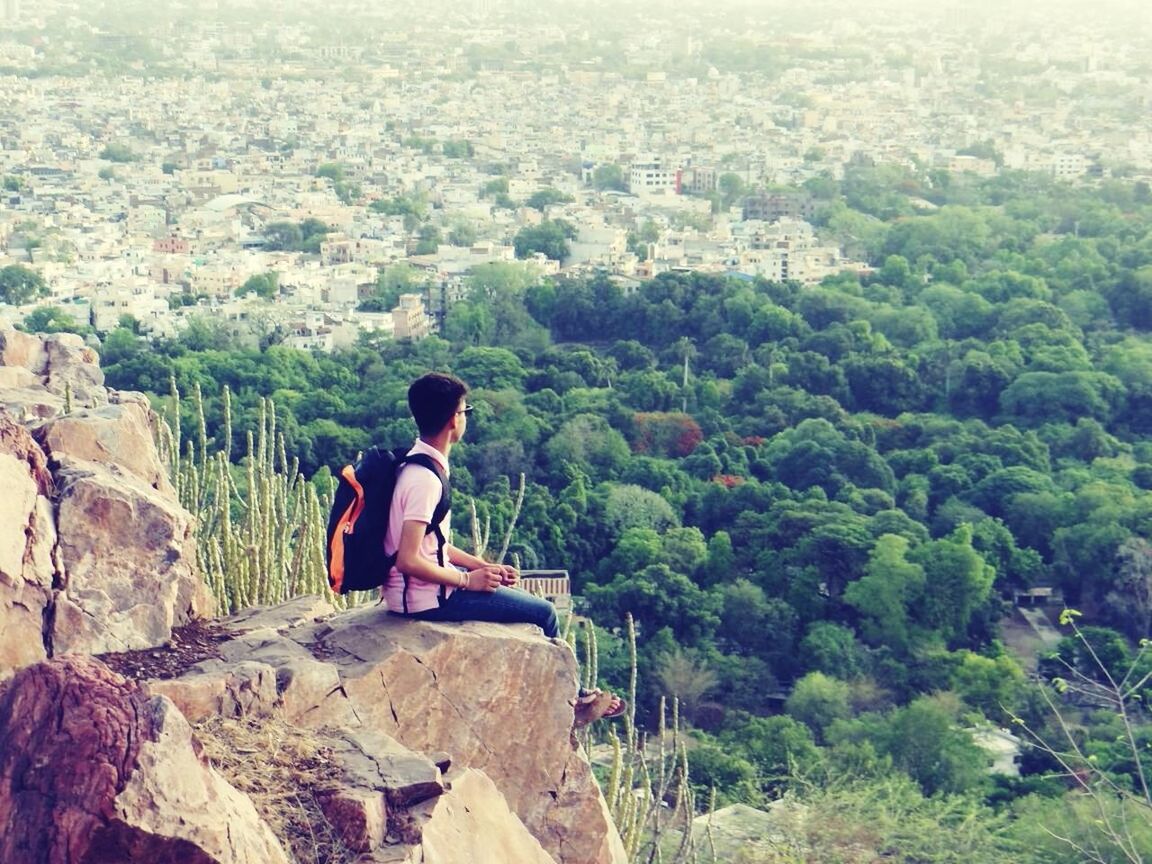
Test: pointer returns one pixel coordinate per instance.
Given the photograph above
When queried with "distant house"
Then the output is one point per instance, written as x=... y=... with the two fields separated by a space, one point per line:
x=552 y=585
x=1003 y=748
x=1039 y=595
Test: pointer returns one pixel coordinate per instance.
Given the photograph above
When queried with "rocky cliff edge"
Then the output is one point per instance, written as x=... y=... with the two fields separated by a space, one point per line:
x=442 y=744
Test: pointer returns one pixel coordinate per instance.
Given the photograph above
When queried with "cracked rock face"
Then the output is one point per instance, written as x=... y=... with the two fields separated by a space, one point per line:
x=128 y=561
x=95 y=552
x=95 y=557
x=27 y=540
x=53 y=368
x=93 y=769
x=493 y=698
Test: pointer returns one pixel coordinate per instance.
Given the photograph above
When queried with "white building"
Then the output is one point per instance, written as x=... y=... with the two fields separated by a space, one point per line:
x=653 y=177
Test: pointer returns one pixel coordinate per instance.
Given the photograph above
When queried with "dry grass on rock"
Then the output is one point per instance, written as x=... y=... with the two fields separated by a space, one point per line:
x=281 y=769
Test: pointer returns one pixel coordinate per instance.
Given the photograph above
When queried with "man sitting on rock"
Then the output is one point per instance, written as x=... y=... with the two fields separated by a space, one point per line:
x=431 y=582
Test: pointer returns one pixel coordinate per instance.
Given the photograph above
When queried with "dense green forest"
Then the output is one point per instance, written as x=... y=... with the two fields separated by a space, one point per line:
x=816 y=502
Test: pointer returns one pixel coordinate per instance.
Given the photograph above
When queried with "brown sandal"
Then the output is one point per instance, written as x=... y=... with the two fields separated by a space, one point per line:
x=598 y=704
x=592 y=707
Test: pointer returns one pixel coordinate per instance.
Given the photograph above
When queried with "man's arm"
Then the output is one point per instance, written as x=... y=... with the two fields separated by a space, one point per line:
x=409 y=561
x=509 y=575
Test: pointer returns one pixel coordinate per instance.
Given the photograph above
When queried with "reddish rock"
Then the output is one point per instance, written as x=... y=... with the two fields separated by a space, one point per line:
x=95 y=770
x=27 y=538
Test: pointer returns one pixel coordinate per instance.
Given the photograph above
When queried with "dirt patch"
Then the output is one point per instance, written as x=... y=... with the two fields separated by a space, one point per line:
x=194 y=642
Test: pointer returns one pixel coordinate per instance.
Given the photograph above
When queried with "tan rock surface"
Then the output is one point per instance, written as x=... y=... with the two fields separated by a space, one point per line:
x=27 y=538
x=25 y=350
x=95 y=769
x=73 y=368
x=61 y=362
x=118 y=434
x=128 y=561
x=495 y=698
x=239 y=690
x=450 y=825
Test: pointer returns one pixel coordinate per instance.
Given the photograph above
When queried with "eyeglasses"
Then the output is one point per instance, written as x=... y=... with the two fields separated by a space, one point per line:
x=467 y=409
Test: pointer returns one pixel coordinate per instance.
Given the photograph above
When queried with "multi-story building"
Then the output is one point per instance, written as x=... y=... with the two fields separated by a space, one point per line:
x=1068 y=165
x=698 y=180
x=774 y=206
x=410 y=320
x=653 y=176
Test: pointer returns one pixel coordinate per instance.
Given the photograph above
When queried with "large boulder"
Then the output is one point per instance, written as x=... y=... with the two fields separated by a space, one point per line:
x=118 y=434
x=128 y=559
x=27 y=540
x=95 y=552
x=94 y=769
x=62 y=364
x=495 y=698
x=449 y=825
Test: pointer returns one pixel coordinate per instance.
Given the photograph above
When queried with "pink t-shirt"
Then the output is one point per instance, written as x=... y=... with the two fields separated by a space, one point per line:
x=415 y=499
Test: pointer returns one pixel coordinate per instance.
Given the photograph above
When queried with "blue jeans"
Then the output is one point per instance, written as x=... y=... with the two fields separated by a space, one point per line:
x=502 y=606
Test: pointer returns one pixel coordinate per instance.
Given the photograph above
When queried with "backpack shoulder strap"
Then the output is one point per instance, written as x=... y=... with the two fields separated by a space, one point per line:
x=442 y=506
x=438 y=513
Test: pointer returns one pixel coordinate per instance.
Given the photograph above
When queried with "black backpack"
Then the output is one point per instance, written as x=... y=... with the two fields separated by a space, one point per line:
x=359 y=519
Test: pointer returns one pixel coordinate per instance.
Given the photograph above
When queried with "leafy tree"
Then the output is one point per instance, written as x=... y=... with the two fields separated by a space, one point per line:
x=993 y=685
x=428 y=239
x=609 y=177
x=817 y=701
x=924 y=741
x=883 y=385
x=832 y=649
x=957 y=582
x=391 y=282
x=730 y=187
x=490 y=368
x=733 y=777
x=345 y=190
x=627 y=506
x=266 y=285
x=115 y=152
x=544 y=198
x=1038 y=396
x=19 y=285
x=886 y=593
x=499 y=186
x=685 y=678
x=458 y=149
x=462 y=233
x=550 y=237
x=588 y=442
x=666 y=434
x=780 y=746
x=283 y=235
x=53 y=319
x=656 y=597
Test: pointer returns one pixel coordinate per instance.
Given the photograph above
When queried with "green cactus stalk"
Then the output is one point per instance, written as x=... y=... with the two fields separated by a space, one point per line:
x=259 y=533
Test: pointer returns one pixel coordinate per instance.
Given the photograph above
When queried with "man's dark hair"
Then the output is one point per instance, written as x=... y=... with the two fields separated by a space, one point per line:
x=433 y=399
